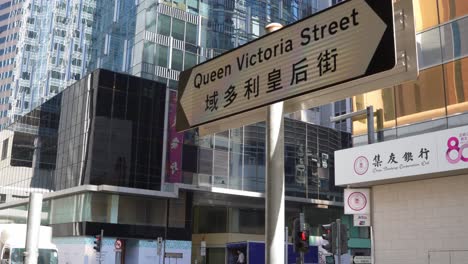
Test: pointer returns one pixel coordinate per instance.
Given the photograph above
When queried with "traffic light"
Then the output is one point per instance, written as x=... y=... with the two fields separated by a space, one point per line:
x=329 y=235
x=344 y=239
x=97 y=243
x=300 y=237
x=304 y=237
x=296 y=231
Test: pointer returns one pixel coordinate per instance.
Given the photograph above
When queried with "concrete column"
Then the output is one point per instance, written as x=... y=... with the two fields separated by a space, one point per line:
x=114 y=209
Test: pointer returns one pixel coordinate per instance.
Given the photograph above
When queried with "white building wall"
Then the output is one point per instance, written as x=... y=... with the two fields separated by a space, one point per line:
x=422 y=221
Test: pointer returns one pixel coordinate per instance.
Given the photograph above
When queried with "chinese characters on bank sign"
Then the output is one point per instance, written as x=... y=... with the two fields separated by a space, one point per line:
x=349 y=41
x=391 y=161
x=424 y=154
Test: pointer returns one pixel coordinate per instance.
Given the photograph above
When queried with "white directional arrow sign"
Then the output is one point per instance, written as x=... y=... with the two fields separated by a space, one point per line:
x=362 y=259
x=351 y=40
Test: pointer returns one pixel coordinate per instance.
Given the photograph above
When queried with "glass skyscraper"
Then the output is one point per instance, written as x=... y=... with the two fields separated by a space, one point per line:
x=52 y=50
x=60 y=41
x=10 y=23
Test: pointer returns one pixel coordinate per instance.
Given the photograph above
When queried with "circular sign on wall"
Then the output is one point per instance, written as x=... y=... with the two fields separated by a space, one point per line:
x=118 y=244
x=357 y=201
x=361 y=165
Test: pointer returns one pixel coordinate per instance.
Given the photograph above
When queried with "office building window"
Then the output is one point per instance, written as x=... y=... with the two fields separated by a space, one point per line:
x=148 y=52
x=5 y=149
x=178 y=29
x=177 y=59
x=164 y=25
x=454 y=39
x=162 y=52
x=150 y=20
x=191 y=33
x=428 y=45
x=190 y=60
x=210 y=220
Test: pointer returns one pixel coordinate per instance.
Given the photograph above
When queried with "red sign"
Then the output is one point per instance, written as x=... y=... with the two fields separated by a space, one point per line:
x=118 y=244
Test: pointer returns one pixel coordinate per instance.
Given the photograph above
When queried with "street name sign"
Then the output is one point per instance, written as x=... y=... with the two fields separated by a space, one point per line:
x=351 y=40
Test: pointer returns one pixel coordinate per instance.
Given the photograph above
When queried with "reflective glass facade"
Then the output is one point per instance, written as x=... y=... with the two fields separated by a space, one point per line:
x=108 y=129
x=10 y=22
x=53 y=50
x=158 y=39
x=120 y=215
x=105 y=129
x=110 y=132
x=235 y=159
x=436 y=100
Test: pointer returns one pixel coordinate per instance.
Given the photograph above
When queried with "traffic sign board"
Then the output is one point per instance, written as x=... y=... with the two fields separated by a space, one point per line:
x=118 y=245
x=351 y=40
x=203 y=249
x=362 y=259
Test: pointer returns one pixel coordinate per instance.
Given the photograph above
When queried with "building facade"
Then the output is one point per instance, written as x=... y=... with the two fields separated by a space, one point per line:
x=52 y=50
x=10 y=22
x=96 y=150
x=418 y=211
x=105 y=130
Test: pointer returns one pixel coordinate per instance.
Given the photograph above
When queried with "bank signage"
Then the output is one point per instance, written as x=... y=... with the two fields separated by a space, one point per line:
x=395 y=160
x=349 y=41
x=356 y=201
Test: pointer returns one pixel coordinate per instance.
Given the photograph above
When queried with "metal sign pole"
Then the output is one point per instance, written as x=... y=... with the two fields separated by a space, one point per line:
x=286 y=245
x=370 y=125
x=102 y=240
x=274 y=235
x=275 y=185
x=338 y=239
